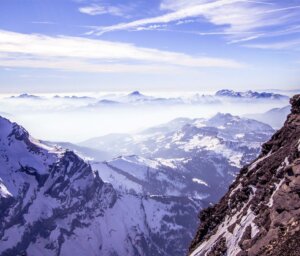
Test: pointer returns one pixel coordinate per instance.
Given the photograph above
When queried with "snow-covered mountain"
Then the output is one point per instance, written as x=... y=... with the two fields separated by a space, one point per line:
x=274 y=117
x=259 y=215
x=250 y=95
x=142 y=176
x=223 y=134
x=195 y=157
x=53 y=203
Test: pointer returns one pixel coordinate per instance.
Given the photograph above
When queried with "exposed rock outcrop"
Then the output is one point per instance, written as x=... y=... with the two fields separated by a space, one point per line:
x=260 y=214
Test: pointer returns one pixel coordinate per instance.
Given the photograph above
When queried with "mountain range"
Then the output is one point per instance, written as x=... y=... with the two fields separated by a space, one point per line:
x=26 y=96
x=192 y=157
x=137 y=97
x=250 y=95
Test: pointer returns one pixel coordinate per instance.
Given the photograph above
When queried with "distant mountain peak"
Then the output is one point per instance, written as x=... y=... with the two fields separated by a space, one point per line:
x=25 y=96
x=223 y=115
x=135 y=94
x=226 y=92
x=249 y=95
x=105 y=101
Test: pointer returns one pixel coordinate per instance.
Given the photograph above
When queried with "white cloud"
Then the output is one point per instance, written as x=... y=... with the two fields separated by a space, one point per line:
x=90 y=55
x=238 y=20
x=152 y=27
x=104 y=7
x=81 y=66
x=180 y=22
x=187 y=12
x=176 y=5
x=96 y=9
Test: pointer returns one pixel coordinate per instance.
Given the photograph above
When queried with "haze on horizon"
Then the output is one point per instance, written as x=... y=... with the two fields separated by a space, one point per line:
x=78 y=118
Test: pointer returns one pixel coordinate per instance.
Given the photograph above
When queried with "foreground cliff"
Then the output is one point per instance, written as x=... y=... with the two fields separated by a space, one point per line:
x=260 y=214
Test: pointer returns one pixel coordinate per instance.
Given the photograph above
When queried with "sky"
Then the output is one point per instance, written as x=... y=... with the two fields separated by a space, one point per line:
x=49 y=46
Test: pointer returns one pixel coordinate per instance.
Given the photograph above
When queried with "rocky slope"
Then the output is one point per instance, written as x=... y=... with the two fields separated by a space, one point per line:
x=53 y=203
x=260 y=214
x=138 y=175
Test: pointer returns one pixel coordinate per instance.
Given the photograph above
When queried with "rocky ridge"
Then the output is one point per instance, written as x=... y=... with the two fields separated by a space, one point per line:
x=260 y=214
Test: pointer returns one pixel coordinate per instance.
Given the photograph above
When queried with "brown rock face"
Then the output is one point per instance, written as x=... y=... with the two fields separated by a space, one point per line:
x=295 y=102
x=260 y=214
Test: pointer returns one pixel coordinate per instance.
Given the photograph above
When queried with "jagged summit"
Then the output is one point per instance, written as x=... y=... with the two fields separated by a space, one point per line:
x=249 y=95
x=14 y=137
x=226 y=92
x=135 y=94
x=9 y=128
x=26 y=96
x=4 y=122
x=12 y=131
x=260 y=214
x=226 y=121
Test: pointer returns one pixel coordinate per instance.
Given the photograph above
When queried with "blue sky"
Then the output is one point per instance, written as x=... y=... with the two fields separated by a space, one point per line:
x=101 y=45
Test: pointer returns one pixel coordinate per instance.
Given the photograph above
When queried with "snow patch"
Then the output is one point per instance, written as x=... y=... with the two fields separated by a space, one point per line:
x=201 y=182
x=240 y=135
x=4 y=191
x=271 y=201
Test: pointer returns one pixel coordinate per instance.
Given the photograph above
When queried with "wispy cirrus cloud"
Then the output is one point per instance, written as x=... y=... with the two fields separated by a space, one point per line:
x=90 y=55
x=96 y=9
x=177 y=15
x=104 y=7
x=236 y=20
